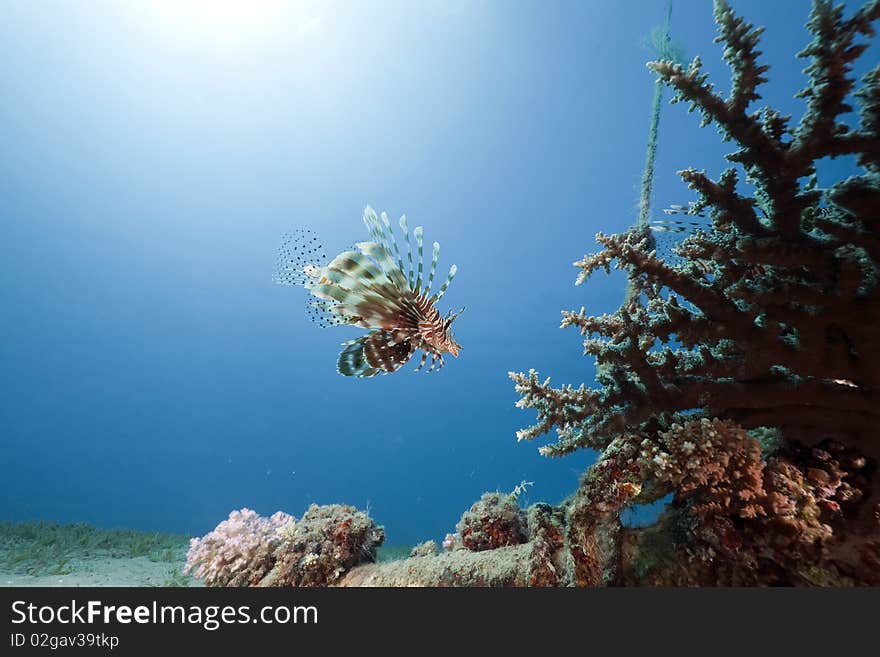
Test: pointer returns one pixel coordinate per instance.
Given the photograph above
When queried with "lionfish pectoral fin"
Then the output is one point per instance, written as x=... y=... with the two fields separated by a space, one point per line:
x=375 y=353
x=325 y=314
x=353 y=362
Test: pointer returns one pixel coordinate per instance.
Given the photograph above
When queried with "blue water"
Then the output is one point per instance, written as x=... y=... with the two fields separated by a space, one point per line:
x=152 y=158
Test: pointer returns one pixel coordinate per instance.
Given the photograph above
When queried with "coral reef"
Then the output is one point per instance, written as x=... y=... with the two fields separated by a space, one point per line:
x=782 y=329
x=740 y=379
x=494 y=521
x=325 y=543
x=239 y=552
x=741 y=519
x=452 y=541
x=714 y=461
x=536 y=561
x=250 y=550
x=425 y=549
x=769 y=320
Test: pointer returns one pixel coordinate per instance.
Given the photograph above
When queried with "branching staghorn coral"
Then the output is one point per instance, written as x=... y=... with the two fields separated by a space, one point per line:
x=768 y=321
x=773 y=316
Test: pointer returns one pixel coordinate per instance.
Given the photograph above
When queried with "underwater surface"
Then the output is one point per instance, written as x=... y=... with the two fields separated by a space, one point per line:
x=154 y=156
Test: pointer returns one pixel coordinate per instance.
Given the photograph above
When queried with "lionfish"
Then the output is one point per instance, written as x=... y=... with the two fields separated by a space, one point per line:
x=367 y=287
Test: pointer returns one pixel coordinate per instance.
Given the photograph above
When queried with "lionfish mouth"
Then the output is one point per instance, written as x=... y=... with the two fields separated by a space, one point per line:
x=454 y=350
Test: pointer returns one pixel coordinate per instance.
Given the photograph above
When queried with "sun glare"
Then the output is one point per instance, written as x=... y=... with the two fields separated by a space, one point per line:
x=231 y=20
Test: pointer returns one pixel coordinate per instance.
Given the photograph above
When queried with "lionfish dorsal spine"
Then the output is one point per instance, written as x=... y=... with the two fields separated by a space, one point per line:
x=434 y=258
x=370 y=221
x=375 y=228
x=381 y=255
x=445 y=285
x=386 y=240
x=418 y=231
x=409 y=257
x=393 y=241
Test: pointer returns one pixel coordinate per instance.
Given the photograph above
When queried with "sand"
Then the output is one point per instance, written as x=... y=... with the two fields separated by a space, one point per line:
x=105 y=571
x=45 y=553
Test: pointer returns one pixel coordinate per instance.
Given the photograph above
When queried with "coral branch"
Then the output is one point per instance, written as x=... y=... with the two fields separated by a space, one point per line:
x=770 y=318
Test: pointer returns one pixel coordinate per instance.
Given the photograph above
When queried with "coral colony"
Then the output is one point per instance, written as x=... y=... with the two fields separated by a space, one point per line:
x=249 y=550
x=740 y=379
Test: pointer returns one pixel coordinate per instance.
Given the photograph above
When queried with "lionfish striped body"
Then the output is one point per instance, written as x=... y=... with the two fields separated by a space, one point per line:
x=368 y=288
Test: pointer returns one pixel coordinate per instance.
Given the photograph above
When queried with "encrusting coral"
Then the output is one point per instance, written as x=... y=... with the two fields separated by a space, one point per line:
x=325 y=543
x=716 y=462
x=494 y=521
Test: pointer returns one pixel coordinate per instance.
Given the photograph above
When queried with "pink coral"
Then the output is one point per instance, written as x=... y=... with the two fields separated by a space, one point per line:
x=240 y=550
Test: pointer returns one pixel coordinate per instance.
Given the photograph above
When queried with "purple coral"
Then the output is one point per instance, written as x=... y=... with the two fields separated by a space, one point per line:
x=240 y=550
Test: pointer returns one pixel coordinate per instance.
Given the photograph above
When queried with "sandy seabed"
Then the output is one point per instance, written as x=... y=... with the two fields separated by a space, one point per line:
x=102 y=571
x=48 y=554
